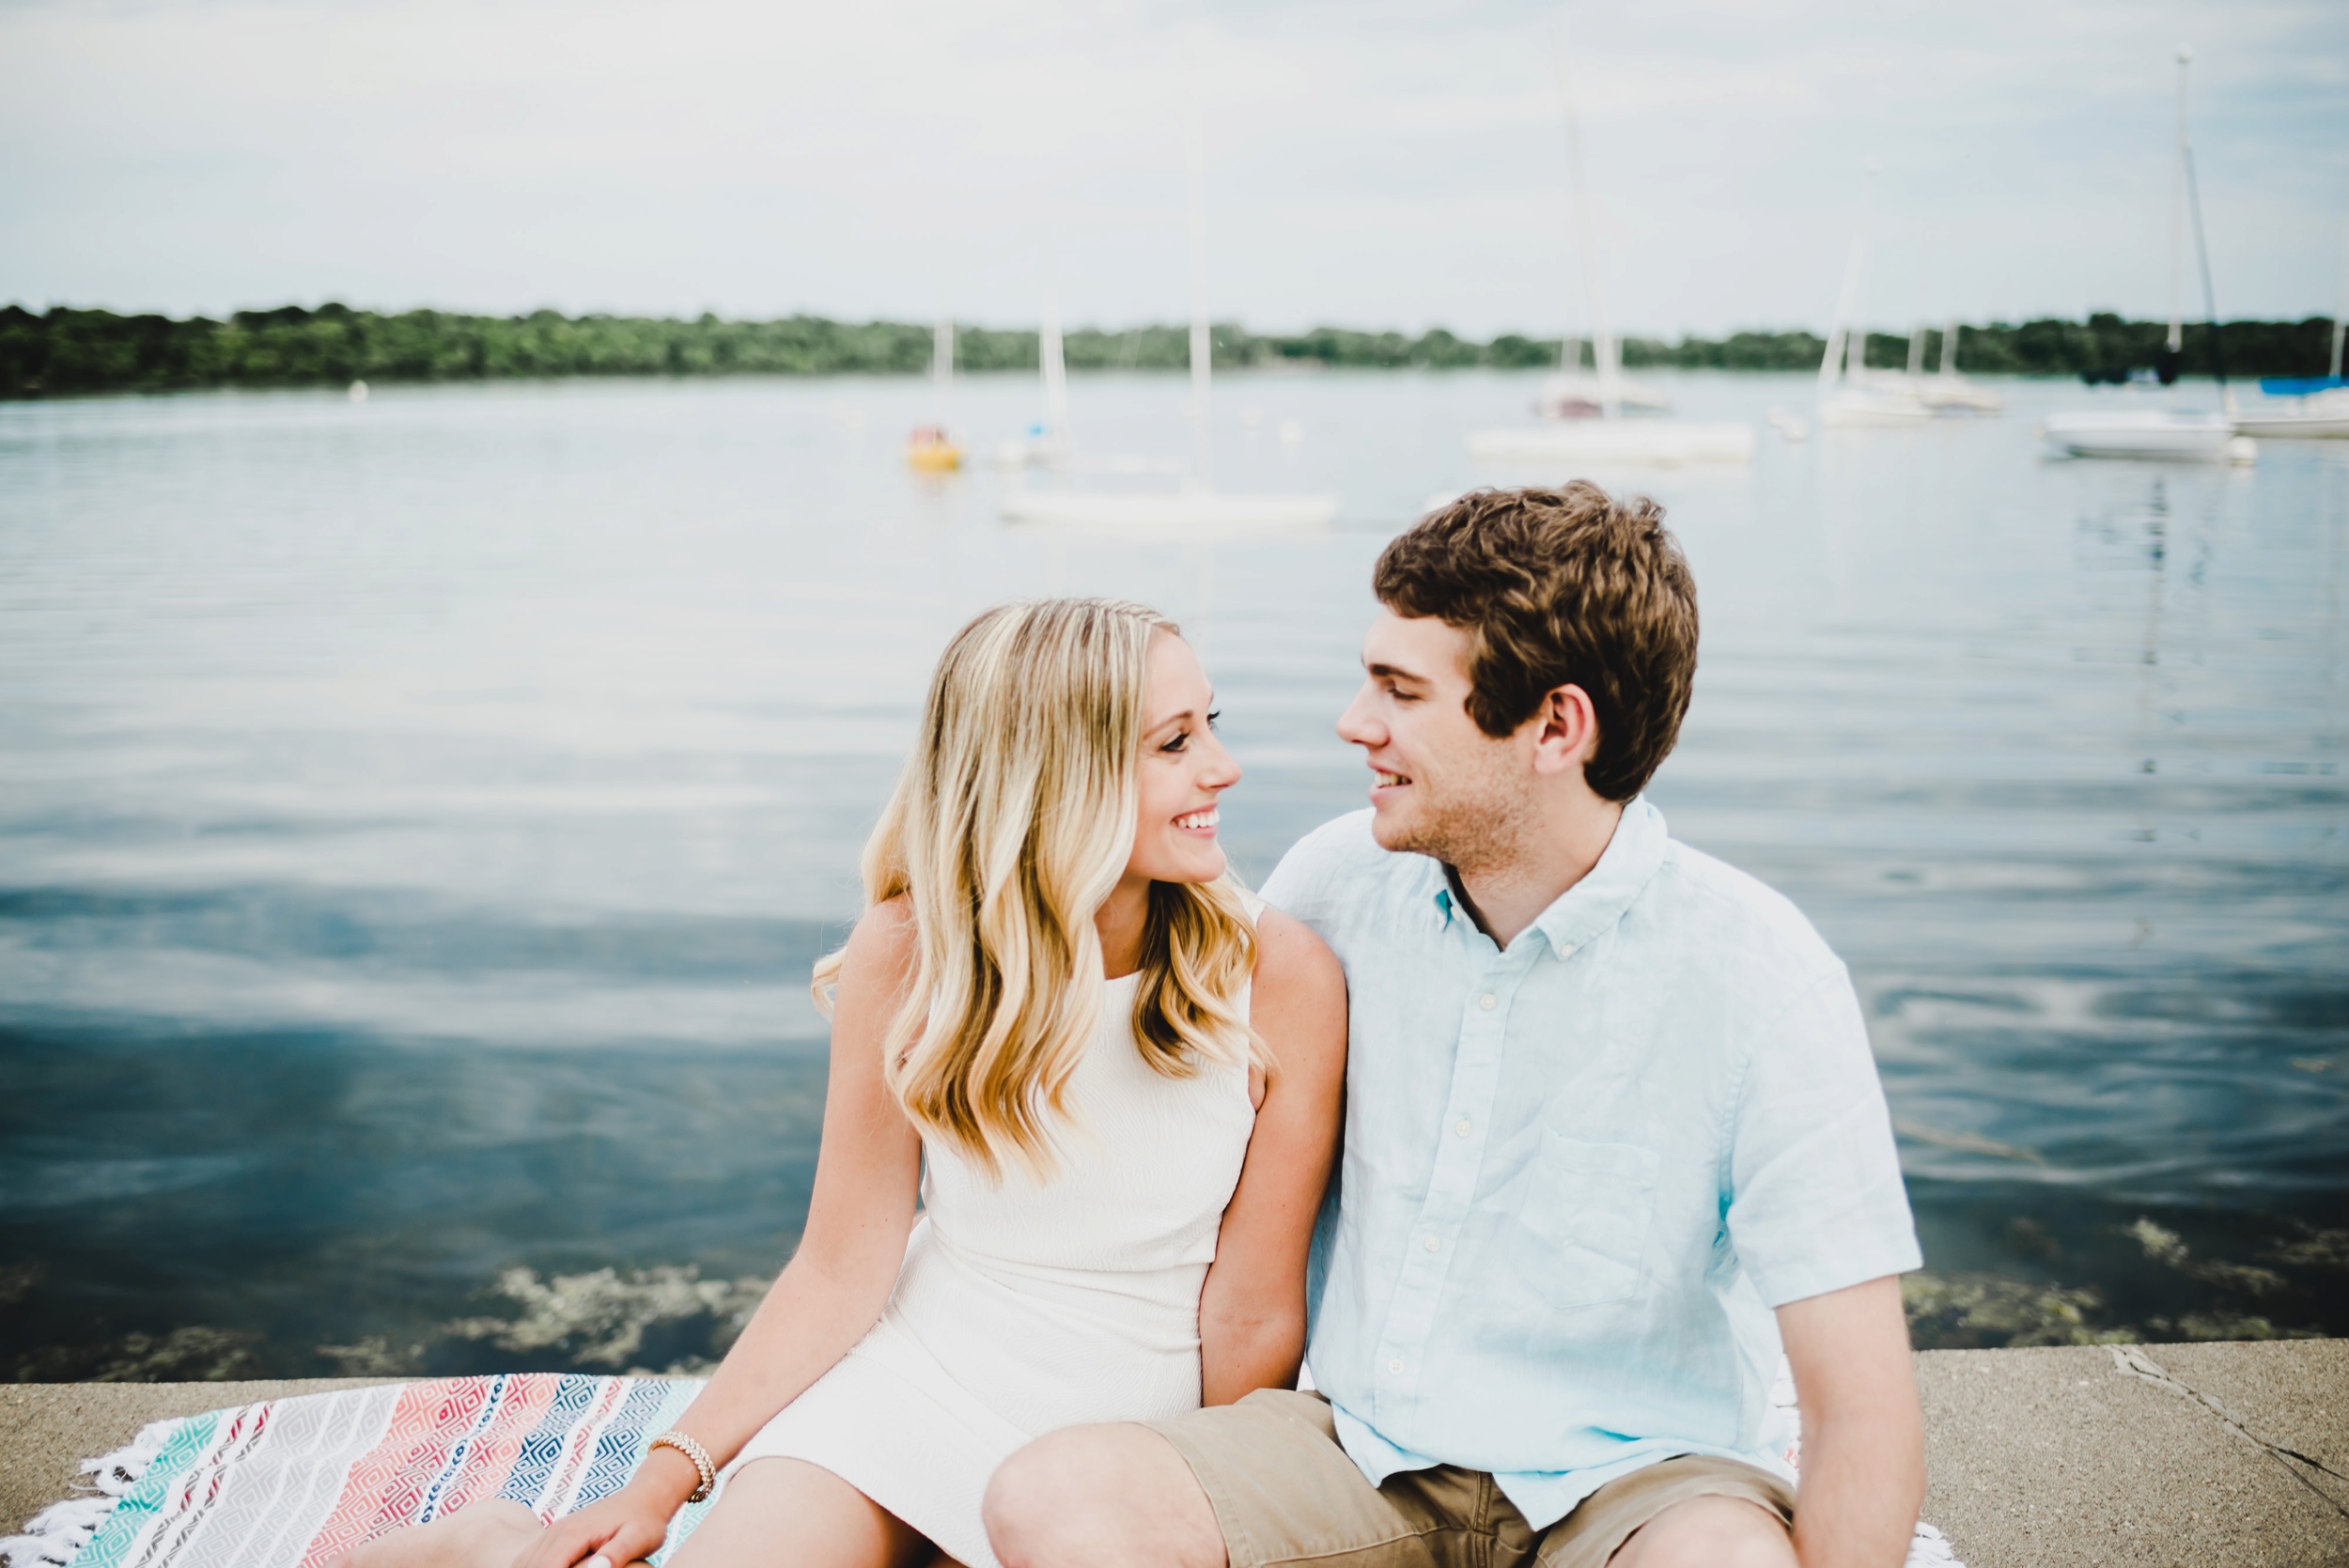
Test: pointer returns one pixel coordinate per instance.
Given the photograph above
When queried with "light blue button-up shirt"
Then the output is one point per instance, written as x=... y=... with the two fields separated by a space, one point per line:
x=1581 y=1172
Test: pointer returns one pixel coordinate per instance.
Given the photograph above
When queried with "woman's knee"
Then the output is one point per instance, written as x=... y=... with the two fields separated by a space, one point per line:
x=1089 y=1495
x=1710 y=1532
x=1031 y=1495
x=1055 y=1495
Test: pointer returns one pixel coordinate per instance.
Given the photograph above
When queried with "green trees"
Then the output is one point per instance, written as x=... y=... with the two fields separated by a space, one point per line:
x=65 y=352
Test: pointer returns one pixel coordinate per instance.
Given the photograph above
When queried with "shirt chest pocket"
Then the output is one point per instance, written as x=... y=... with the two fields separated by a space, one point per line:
x=1585 y=1220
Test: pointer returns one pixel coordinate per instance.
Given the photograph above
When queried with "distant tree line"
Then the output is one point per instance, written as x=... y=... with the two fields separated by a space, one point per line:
x=96 y=351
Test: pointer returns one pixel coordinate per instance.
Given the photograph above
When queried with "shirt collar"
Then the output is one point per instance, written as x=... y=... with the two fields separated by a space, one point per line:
x=1611 y=887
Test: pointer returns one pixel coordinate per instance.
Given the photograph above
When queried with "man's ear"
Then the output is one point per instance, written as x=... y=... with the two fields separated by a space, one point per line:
x=1568 y=736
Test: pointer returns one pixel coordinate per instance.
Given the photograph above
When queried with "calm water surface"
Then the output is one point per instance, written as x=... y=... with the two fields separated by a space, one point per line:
x=417 y=820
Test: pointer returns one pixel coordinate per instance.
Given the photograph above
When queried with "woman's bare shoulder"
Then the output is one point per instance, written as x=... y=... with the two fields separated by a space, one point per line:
x=1294 y=966
x=884 y=944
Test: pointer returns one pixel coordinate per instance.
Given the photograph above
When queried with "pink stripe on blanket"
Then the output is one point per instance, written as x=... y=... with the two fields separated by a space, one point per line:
x=387 y=1485
x=490 y=1458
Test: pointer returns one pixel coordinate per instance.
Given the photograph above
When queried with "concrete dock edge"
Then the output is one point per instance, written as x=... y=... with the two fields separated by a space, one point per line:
x=2215 y=1455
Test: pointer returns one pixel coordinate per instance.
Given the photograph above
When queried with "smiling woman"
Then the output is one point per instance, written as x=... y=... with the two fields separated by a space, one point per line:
x=1051 y=1027
x=1009 y=836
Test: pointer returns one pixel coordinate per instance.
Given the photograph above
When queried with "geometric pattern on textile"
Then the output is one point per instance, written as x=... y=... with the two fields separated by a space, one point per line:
x=294 y=1483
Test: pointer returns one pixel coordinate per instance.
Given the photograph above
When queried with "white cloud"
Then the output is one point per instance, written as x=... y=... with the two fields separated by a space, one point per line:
x=1372 y=164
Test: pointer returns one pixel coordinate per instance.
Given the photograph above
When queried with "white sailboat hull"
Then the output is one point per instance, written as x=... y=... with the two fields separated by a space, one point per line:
x=2299 y=427
x=1583 y=396
x=1872 y=408
x=2148 y=433
x=2324 y=417
x=1193 y=511
x=1950 y=392
x=1666 y=442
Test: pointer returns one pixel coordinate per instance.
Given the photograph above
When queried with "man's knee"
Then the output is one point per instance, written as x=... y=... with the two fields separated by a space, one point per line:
x=1710 y=1532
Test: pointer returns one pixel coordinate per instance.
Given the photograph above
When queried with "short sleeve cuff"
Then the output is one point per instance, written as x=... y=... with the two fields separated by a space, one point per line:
x=1801 y=1281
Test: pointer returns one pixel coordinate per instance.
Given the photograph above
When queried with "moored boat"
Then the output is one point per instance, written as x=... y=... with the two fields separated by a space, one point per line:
x=1584 y=415
x=2148 y=433
x=2175 y=434
x=1196 y=508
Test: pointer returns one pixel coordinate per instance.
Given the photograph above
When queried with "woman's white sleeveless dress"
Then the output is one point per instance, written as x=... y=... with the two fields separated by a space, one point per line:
x=1027 y=1306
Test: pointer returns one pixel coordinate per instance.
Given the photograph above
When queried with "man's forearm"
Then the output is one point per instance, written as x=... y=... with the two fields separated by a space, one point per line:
x=1863 y=1441
x=1863 y=1480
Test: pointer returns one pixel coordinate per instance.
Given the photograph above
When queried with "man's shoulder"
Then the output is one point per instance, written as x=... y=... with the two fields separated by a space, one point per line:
x=1710 y=901
x=1332 y=864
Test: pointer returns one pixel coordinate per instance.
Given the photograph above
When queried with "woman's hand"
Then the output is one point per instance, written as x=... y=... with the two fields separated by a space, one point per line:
x=624 y=1527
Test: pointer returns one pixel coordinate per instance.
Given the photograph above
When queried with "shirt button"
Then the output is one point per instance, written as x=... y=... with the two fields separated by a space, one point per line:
x=1395 y=1366
x=1432 y=1244
x=1488 y=1002
x=1462 y=1129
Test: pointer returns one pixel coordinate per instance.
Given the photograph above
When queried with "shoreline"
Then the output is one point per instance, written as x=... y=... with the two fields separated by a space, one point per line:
x=67 y=351
x=2070 y=1455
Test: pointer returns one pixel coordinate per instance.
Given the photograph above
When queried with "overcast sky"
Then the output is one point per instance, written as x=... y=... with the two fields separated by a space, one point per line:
x=1369 y=164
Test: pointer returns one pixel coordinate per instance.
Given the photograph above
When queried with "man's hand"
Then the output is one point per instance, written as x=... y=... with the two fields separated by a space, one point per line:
x=1863 y=1444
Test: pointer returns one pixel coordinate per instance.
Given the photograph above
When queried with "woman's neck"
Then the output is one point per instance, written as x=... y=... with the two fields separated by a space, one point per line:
x=1121 y=922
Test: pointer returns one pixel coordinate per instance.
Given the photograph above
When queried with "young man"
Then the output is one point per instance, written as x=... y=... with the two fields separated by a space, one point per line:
x=1614 y=1136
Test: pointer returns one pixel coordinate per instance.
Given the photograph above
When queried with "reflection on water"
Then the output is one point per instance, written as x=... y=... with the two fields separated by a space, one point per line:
x=421 y=816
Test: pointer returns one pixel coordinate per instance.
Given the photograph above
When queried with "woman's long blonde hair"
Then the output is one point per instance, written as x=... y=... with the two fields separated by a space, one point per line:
x=1009 y=828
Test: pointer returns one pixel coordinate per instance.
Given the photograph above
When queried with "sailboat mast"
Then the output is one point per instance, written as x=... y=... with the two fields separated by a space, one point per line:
x=2340 y=310
x=1055 y=371
x=1839 y=353
x=1832 y=361
x=2177 y=216
x=1605 y=357
x=1202 y=344
x=943 y=364
x=2210 y=293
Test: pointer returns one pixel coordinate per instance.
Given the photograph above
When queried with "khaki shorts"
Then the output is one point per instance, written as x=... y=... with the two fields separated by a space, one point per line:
x=1284 y=1492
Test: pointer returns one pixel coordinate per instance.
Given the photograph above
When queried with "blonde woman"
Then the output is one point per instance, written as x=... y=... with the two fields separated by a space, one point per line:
x=1109 y=1078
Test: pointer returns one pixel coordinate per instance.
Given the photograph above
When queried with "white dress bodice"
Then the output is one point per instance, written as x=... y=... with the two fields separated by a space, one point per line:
x=1026 y=1304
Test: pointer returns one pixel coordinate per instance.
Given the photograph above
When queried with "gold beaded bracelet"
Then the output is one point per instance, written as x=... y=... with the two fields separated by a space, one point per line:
x=698 y=1454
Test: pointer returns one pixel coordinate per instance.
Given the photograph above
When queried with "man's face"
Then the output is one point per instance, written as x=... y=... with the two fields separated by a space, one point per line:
x=1442 y=786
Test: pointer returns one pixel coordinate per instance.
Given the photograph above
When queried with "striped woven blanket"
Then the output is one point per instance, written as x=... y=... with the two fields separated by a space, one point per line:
x=294 y=1483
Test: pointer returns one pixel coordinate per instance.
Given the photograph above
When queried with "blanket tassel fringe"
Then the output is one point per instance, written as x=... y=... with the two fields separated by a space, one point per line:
x=56 y=1534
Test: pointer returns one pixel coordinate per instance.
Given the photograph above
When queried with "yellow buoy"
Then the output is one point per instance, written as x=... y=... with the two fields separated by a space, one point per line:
x=929 y=451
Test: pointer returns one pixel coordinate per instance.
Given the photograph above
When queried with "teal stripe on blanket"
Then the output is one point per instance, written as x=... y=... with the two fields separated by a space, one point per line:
x=139 y=1507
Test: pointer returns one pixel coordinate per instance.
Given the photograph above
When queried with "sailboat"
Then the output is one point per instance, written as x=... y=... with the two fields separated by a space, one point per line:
x=1198 y=505
x=1607 y=436
x=1945 y=389
x=1047 y=441
x=1850 y=397
x=1573 y=393
x=2319 y=406
x=2167 y=432
x=929 y=449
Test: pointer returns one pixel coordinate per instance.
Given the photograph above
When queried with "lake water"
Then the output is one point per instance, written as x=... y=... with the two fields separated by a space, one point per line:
x=419 y=818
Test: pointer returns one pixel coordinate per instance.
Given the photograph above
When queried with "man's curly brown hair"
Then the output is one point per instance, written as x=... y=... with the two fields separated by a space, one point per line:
x=1563 y=587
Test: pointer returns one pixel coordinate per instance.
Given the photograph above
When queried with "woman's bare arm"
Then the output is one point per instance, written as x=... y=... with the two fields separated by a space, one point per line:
x=1252 y=1313
x=867 y=1172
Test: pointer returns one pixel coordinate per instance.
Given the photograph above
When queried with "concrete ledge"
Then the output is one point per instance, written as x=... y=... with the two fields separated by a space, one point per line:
x=2155 y=1454
x=2071 y=1456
